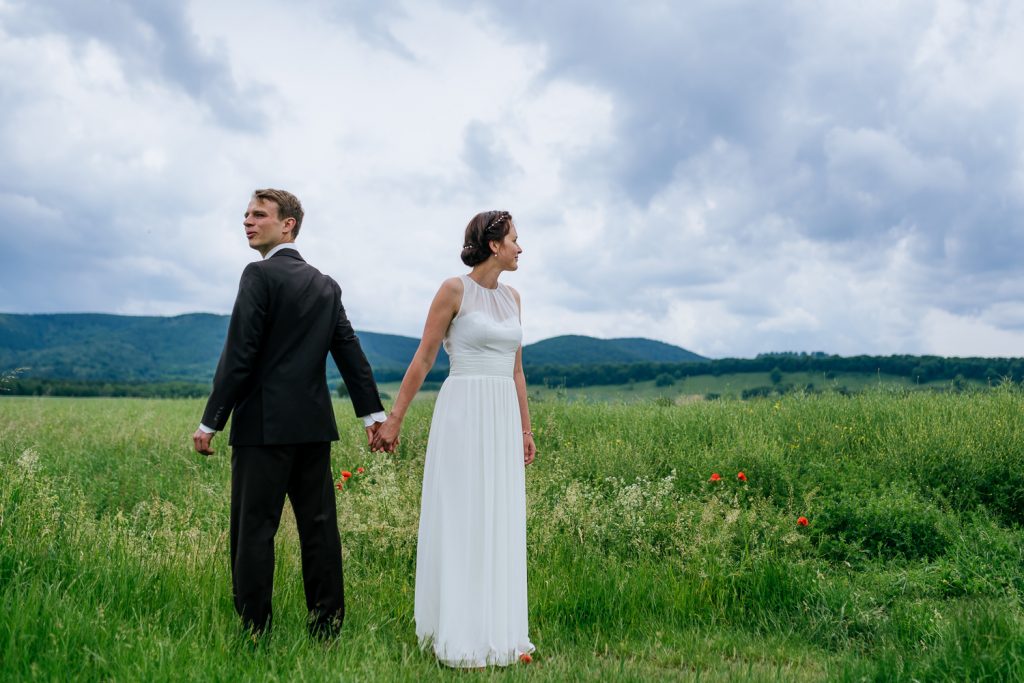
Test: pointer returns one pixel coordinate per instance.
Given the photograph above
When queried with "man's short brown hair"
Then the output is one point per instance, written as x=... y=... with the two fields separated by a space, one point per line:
x=288 y=205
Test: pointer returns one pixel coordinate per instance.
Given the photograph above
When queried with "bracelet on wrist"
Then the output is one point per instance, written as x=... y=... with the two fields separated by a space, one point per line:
x=527 y=432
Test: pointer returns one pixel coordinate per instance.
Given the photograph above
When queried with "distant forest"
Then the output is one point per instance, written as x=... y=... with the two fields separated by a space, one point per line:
x=918 y=368
x=88 y=354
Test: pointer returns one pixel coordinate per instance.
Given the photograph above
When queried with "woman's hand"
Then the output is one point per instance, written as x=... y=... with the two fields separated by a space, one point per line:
x=387 y=437
x=529 y=448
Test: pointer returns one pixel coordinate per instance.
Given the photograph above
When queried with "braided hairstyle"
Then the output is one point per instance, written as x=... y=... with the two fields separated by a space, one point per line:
x=484 y=228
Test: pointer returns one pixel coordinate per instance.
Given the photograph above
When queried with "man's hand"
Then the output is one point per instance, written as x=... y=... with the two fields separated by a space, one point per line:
x=387 y=437
x=202 y=441
x=371 y=433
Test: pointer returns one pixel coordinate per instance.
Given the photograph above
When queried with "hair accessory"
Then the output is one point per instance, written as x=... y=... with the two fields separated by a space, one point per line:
x=502 y=215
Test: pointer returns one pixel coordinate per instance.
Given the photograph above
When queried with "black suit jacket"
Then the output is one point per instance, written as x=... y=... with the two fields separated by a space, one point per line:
x=287 y=317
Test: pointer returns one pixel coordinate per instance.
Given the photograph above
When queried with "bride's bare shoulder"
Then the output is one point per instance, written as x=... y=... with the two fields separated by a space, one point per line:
x=452 y=285
x=450 y=293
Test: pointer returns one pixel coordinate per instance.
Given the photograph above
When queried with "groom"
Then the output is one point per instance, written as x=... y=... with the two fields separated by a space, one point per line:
x=271 y=375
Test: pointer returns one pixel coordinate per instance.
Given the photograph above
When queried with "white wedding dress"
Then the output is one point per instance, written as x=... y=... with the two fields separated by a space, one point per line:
x=471 y=555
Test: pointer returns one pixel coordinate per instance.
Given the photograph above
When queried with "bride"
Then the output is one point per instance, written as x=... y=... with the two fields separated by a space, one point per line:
x=471 y=555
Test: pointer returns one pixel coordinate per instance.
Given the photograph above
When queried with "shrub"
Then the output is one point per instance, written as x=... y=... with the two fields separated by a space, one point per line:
x=664 y=380
x=757 y=392
x=8 y=376
x=893 y=523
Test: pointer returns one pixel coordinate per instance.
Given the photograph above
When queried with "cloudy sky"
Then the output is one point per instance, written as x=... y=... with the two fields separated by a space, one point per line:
x=731 y=176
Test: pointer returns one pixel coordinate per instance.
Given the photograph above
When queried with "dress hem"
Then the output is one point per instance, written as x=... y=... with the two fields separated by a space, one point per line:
x=493 y=657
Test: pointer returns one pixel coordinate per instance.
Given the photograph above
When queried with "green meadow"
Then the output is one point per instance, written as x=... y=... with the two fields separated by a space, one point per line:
x=732 y=385
x=726 y=385
x=113 y=543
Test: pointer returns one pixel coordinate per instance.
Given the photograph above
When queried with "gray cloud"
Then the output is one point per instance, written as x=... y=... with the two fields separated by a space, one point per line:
x=880 y=130
x=153 y=40
x=732 y=177
x=827 y=94
x=487 y=159
x=370 y=20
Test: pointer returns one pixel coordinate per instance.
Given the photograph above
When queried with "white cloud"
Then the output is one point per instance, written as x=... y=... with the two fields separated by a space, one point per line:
x=951 y=335
x=876 y=158
x=731 y=178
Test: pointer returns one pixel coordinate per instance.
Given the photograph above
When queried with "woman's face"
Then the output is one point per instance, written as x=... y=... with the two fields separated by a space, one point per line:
x=508 y=250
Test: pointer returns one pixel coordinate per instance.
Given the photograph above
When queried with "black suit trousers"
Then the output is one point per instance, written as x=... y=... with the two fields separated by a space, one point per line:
x=261 y=476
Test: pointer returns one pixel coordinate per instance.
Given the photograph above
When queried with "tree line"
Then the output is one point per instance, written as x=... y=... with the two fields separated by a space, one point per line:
x=920 y=369
x=32 y=386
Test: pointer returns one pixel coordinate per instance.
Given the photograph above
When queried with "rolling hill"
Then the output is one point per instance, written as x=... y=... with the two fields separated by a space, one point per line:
x=102 y=347
x=580 y=350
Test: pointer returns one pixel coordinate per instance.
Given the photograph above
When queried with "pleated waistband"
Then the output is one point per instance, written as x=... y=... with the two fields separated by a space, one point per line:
x=482 y=367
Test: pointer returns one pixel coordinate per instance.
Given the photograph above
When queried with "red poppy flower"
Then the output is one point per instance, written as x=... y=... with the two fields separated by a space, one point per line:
x=715 y=476
x=359 y=470
x=802 y=521
x=741 y=476
x=525 y=658
x=346 y=475
x=338 y=486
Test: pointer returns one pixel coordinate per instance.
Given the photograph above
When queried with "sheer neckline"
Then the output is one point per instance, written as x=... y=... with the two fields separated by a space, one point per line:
x=488 y=289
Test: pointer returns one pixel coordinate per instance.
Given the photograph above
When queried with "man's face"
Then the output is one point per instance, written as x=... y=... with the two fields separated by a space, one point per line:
x=264 y=229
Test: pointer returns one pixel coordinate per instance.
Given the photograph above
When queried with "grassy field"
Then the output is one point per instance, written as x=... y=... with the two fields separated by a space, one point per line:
x=732 y=385
x=113 y=547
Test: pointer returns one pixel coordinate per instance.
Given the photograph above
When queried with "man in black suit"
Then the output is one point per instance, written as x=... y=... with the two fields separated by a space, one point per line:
x=271 y=375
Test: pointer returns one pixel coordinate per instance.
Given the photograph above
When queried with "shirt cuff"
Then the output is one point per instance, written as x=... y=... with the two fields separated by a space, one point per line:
x=368 y=420
x=206 y=430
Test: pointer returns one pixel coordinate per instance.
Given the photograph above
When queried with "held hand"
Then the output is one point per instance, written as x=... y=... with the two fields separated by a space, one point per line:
x=371 y=434
x=387 y=437
x=529 y=449
x=202 y=441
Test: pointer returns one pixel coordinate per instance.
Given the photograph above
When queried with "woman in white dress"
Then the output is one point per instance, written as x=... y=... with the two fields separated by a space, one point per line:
x=471 y=605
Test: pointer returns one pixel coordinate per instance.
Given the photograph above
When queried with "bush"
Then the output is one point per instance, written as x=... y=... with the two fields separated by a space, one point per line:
x=6 y=378
x=894 y=523
x=757 y=392
x=664 y=380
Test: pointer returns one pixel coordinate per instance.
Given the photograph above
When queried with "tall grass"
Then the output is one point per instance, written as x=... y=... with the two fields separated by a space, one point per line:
x=113 y=549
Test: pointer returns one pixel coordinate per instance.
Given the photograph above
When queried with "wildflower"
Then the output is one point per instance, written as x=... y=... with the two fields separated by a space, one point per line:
x=525 y=658
x=741 y=476
x=338 y=486
x=802 y=521
x=359 y=470
x=715 y=476
x=346 y=475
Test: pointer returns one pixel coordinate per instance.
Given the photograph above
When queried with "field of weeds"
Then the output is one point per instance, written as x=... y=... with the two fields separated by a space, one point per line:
x=871 y=537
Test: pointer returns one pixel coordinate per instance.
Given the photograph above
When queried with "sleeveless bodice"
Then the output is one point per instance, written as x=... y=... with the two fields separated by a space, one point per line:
x=484 y=336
